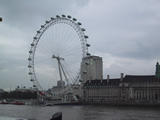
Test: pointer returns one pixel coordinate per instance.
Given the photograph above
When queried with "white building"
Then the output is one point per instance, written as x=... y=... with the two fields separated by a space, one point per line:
x=91 y=68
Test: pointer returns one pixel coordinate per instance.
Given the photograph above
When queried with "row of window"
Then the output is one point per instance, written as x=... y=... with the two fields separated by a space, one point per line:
x=148 y=94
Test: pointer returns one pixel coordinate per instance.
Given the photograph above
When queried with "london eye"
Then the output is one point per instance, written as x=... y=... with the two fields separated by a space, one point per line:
x=61 y=40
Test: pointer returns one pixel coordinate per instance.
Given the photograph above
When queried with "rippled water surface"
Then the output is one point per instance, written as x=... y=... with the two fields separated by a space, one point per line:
x=81 y=112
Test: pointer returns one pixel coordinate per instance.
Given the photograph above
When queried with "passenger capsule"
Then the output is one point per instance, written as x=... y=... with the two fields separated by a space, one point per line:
x=34 y=38
x=63 y=16
x=32 y=44
x=30 y=73
x=52 y=18
x=47 y=21
x=88 y=45
x=57 y=16
x=69 y=16
x=31 y=80
x=29 y=66
x=83 y=29
x=30 y=51
x=29 y=59
x=74 y=19
x=79 y=23
x=38 y=31
x=88 y=54
x=42 y=26
x=85 y=36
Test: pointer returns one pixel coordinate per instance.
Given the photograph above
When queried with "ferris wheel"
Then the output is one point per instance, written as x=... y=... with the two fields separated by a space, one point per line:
x=61 y=38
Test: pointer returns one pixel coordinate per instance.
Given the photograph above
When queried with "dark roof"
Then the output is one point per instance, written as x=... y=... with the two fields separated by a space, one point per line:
x=139 y=78
x=131 y=79
x=112 y=82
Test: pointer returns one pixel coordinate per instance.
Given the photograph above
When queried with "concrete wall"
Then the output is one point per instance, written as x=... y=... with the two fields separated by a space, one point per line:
x=101 y=94
x=91 y=68
x=121 y=95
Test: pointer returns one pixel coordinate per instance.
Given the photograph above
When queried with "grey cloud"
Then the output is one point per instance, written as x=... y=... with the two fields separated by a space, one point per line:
x=31 y=13
x=127 y=30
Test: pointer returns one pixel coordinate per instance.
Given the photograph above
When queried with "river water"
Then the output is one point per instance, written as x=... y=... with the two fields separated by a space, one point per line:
x=81 y=112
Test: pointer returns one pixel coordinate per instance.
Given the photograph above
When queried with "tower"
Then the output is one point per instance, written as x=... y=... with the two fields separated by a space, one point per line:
x=92 y=68
x=157 y=70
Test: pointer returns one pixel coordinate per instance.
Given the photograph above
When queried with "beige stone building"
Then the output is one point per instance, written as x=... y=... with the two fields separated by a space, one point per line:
x=101 y=91
x=128 y=89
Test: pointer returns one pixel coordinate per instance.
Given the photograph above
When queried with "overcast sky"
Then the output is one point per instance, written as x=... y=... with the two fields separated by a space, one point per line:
x=124 y=32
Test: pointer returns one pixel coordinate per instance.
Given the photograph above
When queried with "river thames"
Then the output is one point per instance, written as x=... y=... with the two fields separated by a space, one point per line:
x=81 y=112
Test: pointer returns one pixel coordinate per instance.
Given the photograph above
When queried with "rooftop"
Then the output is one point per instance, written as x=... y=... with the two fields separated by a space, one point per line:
x=127 y=79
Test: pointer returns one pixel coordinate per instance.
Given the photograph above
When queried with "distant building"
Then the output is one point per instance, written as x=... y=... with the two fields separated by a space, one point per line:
x=131 y=89
x=101 y=91
x=65 y=93
x=140 y=89
x=56 y=90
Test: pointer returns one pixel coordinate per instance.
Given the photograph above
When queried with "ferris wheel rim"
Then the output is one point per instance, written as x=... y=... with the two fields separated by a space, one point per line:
x=58 y=19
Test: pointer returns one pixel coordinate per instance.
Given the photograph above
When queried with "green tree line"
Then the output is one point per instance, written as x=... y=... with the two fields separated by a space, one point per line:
x=18 y=95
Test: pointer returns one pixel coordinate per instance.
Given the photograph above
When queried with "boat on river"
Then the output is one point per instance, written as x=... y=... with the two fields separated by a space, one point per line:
x=18 y=103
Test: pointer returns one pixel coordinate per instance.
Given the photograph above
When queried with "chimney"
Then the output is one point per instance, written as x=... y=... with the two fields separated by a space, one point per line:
x=107 y=78
x=121 y=77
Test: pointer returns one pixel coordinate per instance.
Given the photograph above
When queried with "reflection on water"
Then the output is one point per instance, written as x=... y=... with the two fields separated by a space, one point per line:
x=81 y=112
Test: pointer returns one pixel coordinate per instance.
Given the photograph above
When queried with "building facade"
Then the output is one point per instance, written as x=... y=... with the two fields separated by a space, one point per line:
x=140 y=89
x=101 y=91
x=128 y=89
